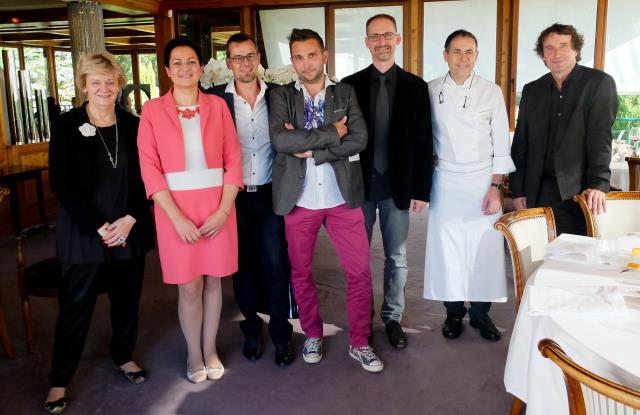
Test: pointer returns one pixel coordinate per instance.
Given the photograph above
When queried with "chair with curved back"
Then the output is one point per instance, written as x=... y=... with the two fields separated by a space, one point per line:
x=41 y=279
x=622 y=215
x=4 y=334
x=527 y=232
x=634 y=173
x=588 y=393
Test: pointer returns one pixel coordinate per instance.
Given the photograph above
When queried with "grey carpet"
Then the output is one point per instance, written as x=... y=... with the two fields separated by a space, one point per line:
x=432 y=375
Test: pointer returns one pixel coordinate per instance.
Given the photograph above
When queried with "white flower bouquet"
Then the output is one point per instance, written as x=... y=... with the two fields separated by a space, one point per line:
x=217 y=73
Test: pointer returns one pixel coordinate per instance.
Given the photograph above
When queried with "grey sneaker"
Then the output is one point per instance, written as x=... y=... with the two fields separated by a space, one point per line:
x=312 y=350
x=367 y=358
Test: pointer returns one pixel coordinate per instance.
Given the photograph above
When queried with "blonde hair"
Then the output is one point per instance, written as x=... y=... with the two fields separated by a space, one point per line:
x=99 y=63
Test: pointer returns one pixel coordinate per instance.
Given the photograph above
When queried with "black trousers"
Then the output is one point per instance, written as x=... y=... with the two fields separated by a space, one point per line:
x=477 y=311
x=567 y=213
x=262 y=281
x=80 y=287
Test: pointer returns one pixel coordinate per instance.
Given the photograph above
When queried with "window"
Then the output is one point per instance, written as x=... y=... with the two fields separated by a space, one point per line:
x=621 y=61
x=35 y=60
x=351 y=54
x=441 y=18
x=13 y=55
x=148 y=68
x=276 y=27
x=64 y=79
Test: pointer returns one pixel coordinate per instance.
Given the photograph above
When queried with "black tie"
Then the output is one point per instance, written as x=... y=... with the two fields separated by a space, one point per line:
x=380 y=160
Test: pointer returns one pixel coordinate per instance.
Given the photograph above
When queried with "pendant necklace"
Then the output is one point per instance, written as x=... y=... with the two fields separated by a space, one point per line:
x=114 y=164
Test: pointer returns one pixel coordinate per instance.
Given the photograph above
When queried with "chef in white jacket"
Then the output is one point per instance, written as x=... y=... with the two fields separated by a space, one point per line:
x=465 y=256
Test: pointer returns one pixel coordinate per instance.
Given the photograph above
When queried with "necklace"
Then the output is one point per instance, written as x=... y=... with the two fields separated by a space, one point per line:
x=113 y=163
x=188 y=113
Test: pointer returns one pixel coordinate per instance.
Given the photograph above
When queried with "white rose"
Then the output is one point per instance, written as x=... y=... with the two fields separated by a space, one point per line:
x=87 y=130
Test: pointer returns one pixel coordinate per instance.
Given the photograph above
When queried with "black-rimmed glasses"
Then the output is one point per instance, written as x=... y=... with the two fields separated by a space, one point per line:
x=239 y=58
x=374 y=37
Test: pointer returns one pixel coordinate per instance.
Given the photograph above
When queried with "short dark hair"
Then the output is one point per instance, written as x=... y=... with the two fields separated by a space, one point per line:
x=177 y=42
x=240 y=38
x=300 y=35
x=577 y=40
x=459 y=33
x=381 y=16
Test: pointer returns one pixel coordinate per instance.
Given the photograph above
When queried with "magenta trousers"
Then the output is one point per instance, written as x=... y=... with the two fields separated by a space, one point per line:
x=346 y=229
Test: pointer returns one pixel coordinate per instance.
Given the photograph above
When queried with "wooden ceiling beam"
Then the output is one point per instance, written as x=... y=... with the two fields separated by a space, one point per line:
x=146 y=6
x=208 y=4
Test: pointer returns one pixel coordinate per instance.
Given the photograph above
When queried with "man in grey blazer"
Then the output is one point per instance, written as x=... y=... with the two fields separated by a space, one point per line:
x=318 y=131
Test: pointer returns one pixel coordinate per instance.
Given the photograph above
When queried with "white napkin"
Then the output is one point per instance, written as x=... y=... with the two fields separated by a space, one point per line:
x=585 y=301
x=570 y=248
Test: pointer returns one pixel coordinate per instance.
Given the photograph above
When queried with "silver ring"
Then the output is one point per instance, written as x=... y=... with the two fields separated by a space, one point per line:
x=121 y=240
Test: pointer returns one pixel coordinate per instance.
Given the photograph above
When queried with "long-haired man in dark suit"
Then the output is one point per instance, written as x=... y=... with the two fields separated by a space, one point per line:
x=562 y=143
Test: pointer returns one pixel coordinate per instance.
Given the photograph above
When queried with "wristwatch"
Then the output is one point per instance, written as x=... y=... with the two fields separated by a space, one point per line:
x=498 y=186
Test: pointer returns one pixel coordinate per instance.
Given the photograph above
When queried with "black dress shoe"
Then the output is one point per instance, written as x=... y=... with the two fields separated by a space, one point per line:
x=395 y=334
x=452 y=327
x=135 y=377
x=488 y=330
x=252 y=348
x=284 y=355
x=56 y=407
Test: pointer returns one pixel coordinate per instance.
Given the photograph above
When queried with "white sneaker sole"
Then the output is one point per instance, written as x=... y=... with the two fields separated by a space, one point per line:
x=368 y=368
x=312 y=360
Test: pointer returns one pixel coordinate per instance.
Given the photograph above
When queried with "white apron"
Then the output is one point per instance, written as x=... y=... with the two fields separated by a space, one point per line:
x=465 y=256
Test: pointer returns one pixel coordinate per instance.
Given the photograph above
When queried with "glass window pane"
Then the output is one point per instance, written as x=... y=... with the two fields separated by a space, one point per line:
x=351 y=54
x=535 y=17
x=276 y=27
x=64 y=78
x=13 y=54
x=148 y=67
x=623 y=63
x=127 y=66
x=441 y=18
x=35 y=60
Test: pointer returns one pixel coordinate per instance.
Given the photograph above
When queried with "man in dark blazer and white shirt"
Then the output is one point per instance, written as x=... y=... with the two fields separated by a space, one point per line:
x=397 y=163
x=318 y=130
x=263 y=266
x=562 y=143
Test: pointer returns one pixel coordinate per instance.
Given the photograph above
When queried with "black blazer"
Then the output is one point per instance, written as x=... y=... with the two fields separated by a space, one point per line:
x=410 y=136
x=73 y=176
x=219 y=90
x=583 y=141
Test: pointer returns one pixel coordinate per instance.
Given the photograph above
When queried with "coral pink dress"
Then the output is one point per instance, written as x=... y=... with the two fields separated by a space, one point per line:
x=193 y=164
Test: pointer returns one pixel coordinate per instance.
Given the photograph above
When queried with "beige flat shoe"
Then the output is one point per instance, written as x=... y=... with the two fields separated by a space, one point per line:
x=197 y=376
x=215 y=373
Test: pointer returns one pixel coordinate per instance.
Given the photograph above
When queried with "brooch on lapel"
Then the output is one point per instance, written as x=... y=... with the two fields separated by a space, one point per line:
x=87 y=130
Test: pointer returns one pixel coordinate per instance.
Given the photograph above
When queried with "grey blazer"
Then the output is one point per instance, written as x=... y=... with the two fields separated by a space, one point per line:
x=287 y=105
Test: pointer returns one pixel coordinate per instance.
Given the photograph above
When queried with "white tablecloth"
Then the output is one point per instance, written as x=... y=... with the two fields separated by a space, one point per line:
x=605 y=340
x=619 y=175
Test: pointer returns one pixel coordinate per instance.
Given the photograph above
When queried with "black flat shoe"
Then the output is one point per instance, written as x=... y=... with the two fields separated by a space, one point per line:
x=56 y=407
x=252 y=348
x=452 y=327
x=135 y=377
x=284 y=355
x=396 y=335
x=488 y=330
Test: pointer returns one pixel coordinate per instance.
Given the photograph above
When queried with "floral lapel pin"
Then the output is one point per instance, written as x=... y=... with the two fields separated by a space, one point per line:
x=87 y=130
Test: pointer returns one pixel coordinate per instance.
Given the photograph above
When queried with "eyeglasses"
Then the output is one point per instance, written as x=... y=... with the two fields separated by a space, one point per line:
x=441 y=94
x=374 y=37
x=252 y=57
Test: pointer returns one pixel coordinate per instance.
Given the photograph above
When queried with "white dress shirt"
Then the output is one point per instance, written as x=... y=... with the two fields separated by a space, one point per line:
x=252 y=125
x=320 y=190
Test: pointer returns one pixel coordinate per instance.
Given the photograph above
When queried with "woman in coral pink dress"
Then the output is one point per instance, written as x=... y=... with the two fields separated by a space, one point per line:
x=192 y=169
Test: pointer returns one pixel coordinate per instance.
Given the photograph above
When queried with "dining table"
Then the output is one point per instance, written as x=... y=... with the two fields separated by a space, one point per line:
x=584 y=297
x=619 y=175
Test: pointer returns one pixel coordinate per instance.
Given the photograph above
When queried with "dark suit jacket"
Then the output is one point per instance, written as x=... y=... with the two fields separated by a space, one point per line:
x=74 y=177
x=219 y=90
x=287 y=105
x=410 y=136
x=583 y=140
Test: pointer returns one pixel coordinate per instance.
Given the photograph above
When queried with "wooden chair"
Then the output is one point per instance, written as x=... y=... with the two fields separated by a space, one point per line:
x=4 y=334
x=589 y=393
x=634 y=173
x=527 y=232
x=41 y=279
x=622 y=215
